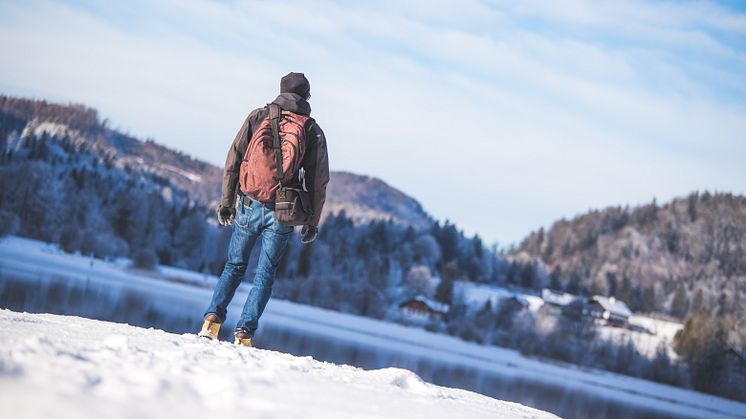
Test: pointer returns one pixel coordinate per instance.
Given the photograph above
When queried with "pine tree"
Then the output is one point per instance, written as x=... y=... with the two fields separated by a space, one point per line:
x=611 y=284
x=573 y=286
x=691 y=207
x=554 y=278
x=723 y=305
x=625 y=291
x=698 y=301
x=527 y=275
x=648 y=299
x=678 y=305
x=444 y=291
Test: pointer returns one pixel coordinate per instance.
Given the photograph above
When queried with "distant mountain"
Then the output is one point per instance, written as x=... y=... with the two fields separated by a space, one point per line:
x=365 y=199
x=686 y=255
x=361 y=197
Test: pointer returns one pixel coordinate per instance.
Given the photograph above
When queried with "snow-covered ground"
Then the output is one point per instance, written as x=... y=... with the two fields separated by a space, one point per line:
x=70 y=367
x=661 y=331
x=27 y=258
x=477 y=295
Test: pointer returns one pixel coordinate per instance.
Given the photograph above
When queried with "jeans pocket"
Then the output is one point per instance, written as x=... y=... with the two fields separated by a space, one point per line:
x=243 y=216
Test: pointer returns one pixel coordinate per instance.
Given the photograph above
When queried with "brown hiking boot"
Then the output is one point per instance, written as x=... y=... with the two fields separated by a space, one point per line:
x=242 y=338
x=210 y=327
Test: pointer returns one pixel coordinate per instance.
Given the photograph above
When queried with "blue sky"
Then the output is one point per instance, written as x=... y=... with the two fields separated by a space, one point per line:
x=500 y=116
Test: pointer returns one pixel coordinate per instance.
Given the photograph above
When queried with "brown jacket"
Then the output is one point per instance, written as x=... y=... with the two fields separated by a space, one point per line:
x=315 y=163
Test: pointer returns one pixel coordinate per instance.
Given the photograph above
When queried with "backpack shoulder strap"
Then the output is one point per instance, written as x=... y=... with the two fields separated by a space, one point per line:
x=274 y=110
x=274 y=117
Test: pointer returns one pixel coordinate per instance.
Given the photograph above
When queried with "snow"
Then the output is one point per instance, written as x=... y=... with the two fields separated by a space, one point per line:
x=662 y=332
x=556 y=297
x=432 y=305
x=71 y=367
x=613 y=305
x=477 y=295
x=193 y=177
x=187 y=276
x=534 y=302
x=25 y=258
x=53 y=129
x=50 y=259
x=663 y=328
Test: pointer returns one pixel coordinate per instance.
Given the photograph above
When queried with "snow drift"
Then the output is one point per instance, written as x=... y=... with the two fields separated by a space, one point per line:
x=59 y=366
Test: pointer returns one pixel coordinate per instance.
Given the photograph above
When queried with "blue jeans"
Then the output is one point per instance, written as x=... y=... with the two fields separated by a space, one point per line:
x=251 y=223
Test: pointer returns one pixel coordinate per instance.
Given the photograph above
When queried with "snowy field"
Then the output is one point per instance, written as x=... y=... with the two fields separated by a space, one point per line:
x=662 y=332
x=70 y=367
x=21 y=257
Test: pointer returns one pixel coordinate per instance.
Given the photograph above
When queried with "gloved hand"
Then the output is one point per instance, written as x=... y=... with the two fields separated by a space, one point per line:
x=308 y=234
x=226 y=215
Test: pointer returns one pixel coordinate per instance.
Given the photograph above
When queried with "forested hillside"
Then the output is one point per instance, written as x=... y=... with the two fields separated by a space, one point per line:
x=80 y=129
x=67 y=178
x=686 y=258
x=676 y=258
x=363 y=198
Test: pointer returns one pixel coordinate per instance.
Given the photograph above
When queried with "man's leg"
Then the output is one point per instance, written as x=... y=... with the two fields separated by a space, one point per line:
x=242 y=240
x=275 y=239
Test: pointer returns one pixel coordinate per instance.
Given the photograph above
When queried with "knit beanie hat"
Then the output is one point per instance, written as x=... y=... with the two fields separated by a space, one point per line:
x=295 y=83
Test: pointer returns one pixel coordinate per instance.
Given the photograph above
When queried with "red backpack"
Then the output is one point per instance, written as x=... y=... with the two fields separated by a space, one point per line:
x=264 y=170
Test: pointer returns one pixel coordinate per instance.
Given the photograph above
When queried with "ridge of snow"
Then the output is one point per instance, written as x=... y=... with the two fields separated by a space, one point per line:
x=63 y=366
x=53 y=129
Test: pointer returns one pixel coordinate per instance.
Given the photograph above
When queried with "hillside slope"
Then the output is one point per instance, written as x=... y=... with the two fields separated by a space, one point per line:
x=362 y=198
x=57 y=366
x=366 y=199
x=683 y=256
x=81 y=127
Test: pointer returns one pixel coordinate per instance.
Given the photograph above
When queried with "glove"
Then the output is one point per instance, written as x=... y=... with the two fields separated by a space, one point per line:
x=308 y=234
x=226 y=215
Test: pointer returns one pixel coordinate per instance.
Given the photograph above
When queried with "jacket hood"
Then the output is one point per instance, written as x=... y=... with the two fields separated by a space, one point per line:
x=293 y=102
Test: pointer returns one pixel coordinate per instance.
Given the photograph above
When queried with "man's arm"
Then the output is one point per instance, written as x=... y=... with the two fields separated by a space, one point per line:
x=316 y=167
x=233 y=164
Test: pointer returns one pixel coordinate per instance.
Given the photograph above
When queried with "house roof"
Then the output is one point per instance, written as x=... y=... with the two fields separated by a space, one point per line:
x=555 y=297
x=435 y=306
x=612 y=305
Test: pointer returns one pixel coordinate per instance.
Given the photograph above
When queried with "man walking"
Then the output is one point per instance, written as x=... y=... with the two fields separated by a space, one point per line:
x=283 y=133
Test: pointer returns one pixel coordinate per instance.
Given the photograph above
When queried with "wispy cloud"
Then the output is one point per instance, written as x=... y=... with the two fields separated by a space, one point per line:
x=502 y=116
